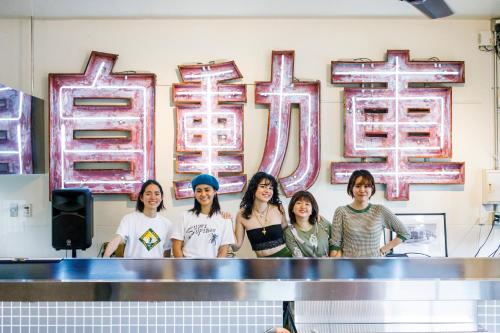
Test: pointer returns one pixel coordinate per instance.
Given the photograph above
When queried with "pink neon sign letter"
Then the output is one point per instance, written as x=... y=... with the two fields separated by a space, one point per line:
x=210 y=126
x=398 y=122
x=101 y=128
x=280 y=94
x=15 y=132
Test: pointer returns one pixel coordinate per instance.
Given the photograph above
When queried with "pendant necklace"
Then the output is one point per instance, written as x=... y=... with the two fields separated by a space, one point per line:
x=259 y=218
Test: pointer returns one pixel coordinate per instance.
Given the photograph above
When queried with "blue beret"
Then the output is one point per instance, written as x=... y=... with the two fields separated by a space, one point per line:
x=205 y=179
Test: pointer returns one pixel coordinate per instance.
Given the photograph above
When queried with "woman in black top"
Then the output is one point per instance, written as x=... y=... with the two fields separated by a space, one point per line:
x=262 y=216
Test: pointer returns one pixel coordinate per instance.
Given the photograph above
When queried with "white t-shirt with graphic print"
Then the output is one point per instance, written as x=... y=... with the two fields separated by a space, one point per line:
x=145 y=237
x=203 y=235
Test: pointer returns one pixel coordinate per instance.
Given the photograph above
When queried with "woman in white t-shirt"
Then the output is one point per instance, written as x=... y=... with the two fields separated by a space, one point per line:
x=203 y=232
x=146 y=233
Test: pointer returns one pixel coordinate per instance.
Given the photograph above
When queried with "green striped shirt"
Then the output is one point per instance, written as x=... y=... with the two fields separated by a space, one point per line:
x=357 y=232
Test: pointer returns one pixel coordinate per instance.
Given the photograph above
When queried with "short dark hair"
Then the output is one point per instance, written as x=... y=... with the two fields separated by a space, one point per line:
x=303 y=195
x=367 y=178
x=249 y=196
x=140 y=205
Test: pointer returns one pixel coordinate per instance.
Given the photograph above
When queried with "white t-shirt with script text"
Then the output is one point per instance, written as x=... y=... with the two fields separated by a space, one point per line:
x=203 y=235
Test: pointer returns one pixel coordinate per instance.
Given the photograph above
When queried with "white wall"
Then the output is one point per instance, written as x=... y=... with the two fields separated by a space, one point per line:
x=15 y=68
x=158 y=46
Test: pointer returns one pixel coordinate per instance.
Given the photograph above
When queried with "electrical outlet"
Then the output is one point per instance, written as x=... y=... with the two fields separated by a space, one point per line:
x=27 y=210
x=485 y=39
x=485 y=218
x=14 y=210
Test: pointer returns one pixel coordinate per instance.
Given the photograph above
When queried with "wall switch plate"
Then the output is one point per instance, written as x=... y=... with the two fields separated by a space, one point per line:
x=27 y=210
x=491 y=187
x=14 y=210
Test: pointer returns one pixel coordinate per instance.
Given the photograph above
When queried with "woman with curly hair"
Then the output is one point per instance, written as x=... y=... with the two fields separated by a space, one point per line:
x=262 y=216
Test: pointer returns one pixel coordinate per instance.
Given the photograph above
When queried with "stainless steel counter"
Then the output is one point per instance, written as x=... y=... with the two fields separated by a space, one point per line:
x=250 y=279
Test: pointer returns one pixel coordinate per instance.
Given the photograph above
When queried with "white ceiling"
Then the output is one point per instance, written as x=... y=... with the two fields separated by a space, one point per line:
x=464 y=9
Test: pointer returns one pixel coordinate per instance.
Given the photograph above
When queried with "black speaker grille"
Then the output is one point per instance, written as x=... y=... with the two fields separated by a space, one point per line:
x=72 y=220
x=68 y=231
x=69 y=202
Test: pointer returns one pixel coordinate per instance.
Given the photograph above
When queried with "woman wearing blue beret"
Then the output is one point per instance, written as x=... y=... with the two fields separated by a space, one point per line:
x=203 y=232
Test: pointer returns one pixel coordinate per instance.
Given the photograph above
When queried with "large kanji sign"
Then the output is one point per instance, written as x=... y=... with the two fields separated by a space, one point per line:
x=101 y=128
x=280 y=94
x=210 y=126
x=398 y=122
x=15 y=132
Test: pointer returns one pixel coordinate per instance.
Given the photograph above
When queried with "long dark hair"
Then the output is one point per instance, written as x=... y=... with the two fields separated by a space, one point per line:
x=140 y=205
x=215 y=209
x=249 y=196
x=367 y=178
x=307 y=196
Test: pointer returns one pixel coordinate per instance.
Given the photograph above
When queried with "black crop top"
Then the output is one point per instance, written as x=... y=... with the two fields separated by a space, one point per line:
x=274 y=237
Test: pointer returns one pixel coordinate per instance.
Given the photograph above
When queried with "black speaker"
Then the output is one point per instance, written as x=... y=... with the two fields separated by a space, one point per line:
x=72 y=219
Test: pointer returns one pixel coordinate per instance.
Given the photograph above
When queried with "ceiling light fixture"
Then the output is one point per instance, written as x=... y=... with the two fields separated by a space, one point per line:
x=432 y=8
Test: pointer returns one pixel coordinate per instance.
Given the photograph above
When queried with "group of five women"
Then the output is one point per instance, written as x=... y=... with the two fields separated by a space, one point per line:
x=206 y=232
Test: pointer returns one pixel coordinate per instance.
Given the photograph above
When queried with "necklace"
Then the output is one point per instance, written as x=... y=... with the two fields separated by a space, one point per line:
x=259 y=217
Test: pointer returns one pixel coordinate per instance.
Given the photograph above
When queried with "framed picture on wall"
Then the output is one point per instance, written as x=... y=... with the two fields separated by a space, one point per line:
x=427 y=235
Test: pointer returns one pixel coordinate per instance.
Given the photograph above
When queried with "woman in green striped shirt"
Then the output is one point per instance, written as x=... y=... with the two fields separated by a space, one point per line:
x=357 y=227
